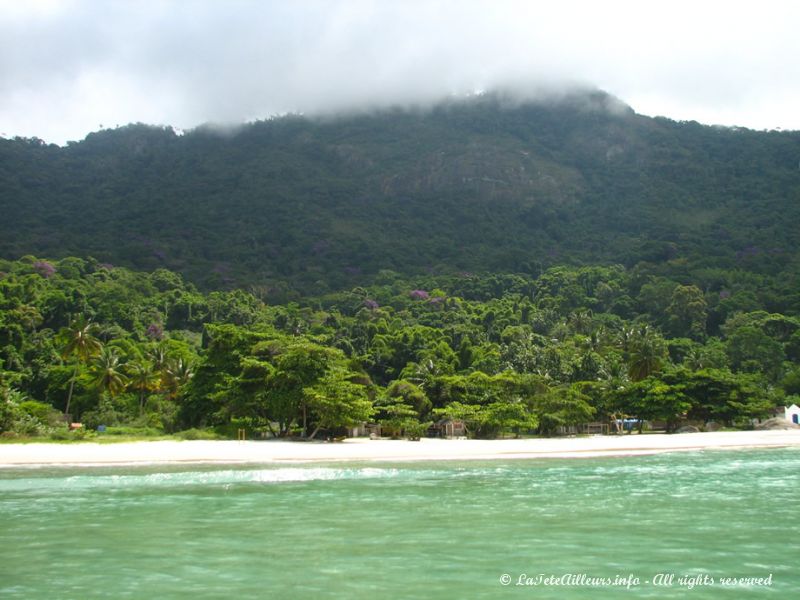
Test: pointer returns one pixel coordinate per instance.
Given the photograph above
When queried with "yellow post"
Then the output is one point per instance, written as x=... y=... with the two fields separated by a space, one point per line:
x=241 y=435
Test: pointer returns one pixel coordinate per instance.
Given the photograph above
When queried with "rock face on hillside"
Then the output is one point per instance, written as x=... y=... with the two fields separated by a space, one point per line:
x=777 y=424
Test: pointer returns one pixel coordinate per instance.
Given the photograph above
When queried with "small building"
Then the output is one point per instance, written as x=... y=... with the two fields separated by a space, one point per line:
x=359 y=430
x=372 y=430
x=593 y=428
x=792 y=414
x=449 y=428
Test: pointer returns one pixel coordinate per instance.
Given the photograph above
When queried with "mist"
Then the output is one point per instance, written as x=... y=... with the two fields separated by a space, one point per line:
x=71 y=67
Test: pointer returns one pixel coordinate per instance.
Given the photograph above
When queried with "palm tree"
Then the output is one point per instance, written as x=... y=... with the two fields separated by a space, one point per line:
x=176 y=374
x=80 y=342
x=143 y=378
x=647 y=355
x=581 y=321
x=158 y=357
x=108 y=371
x=422 y=373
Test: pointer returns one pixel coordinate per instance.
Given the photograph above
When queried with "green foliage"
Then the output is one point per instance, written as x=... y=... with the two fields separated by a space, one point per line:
x=562 y=407
x=687 y=312
x=132 y=431
x=519 y=266
x=401 y=408
x=335 y=401
x=752 y=350
x=21 y=416
x=505 y=354
x=293 y=206
x=108 y=412
x=654 y=399
x=199 y=434
x=647 y=354
x=107 y=371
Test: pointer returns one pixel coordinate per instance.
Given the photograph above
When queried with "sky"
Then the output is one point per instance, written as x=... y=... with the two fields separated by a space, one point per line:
x=69 y=67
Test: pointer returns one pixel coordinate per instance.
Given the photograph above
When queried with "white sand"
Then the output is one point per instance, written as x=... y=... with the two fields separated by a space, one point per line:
x=382 y=450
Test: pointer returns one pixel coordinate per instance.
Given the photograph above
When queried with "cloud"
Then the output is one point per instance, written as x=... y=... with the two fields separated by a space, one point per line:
x=67 y=66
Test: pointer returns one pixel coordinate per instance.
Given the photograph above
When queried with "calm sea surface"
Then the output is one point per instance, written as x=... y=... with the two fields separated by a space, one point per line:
x=414 y=530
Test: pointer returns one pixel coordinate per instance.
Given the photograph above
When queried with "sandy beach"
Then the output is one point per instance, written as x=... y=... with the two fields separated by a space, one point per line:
x=231 y=452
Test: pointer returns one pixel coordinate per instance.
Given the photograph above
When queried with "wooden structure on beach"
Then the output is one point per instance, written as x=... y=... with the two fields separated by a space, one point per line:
x=448 y=428
x=593 y=428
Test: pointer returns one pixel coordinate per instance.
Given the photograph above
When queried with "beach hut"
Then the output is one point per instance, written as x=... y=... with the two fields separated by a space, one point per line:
x=792 y=414
x=594 y=428
x=450 y=428
x=359 y=430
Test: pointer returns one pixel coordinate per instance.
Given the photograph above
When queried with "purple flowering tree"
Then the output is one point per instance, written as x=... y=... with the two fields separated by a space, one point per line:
x=155 y=331
x=44 y=268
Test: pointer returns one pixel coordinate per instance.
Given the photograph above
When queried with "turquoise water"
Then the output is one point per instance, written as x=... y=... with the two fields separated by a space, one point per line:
x=415 y=530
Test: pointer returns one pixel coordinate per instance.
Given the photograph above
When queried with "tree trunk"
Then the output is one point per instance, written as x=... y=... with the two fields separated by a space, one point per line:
x=69 y=396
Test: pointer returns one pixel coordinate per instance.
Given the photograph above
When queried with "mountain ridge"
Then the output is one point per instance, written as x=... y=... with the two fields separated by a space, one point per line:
x=489 y=183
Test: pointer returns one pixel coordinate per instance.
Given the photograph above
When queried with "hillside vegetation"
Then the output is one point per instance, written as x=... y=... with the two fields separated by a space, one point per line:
x=507 y=354
x=297 y=206
x=522 y=266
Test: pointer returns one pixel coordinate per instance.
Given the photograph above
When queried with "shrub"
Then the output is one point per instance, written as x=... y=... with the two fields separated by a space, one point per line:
x=106 y=414
x=414 y=430
x=199 y=434
x=44 y=413
x=14 y=418
x=63 y=435
x=133 y=431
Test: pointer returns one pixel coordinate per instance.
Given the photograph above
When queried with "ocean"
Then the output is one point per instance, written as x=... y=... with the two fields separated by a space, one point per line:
x=710 y=524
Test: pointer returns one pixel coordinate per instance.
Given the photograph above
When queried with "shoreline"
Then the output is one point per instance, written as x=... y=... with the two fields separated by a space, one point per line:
x=361 y=449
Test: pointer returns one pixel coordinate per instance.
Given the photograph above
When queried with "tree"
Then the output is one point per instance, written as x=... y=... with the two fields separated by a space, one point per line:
x=688 y=312
x=142 y=378
x=652 y=398
x=395 y=415
x=410 y=395
x=512 y=414
x=647 y=355
x=719 y=395
x=336 y=401
x=751 y=350
x=176 y=374
x=108 y=373
x=298 y=366
x=289 y=380
x=561 y=407
x=402 y=408
x=79 y=342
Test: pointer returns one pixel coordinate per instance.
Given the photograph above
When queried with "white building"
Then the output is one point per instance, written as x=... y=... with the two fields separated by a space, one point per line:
x=792 y=414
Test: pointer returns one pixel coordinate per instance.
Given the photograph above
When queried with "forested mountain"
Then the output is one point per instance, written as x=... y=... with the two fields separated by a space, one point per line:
x=521 y=266
x=487 y=184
